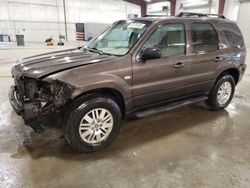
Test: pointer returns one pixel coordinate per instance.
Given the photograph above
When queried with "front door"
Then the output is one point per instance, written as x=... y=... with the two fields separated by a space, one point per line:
x=156 y=80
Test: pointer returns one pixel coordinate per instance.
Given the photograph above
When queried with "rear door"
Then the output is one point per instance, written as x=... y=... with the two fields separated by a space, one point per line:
x=204 y=56
x=160 y=79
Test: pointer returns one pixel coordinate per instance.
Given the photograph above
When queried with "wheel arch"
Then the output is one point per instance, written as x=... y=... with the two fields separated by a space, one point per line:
x=234 y=72
x=110 y=92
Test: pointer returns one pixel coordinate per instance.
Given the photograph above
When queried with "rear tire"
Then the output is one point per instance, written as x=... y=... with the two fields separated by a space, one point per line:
x=222 y=93
x=93 y=122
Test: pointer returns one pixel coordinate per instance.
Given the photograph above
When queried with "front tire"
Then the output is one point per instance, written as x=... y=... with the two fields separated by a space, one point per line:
x=92 y=123
x=222 y=93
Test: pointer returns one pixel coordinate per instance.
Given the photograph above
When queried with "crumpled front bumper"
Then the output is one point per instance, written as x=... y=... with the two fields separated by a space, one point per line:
x=34 y=108
x=13 y=98
x=27 y=110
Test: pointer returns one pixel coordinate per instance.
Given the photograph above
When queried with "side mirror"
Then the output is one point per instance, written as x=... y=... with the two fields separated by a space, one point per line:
x=151 y=53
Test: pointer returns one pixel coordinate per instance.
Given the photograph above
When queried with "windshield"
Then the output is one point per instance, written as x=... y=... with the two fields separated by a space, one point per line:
x=119 y=38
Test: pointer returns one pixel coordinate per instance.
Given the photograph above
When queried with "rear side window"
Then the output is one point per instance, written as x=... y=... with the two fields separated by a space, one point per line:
x=233 y=35
x=204 y=38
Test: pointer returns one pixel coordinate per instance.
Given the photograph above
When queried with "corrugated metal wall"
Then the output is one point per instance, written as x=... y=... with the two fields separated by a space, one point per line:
x=40 y=19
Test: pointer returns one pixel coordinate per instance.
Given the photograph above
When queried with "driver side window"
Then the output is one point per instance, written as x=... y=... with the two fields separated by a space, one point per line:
x=169 y=38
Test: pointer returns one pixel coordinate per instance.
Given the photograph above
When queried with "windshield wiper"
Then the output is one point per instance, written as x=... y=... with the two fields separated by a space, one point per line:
x=96 y=50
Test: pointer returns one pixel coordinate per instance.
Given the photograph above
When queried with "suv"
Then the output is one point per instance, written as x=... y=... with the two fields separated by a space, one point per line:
x=135 y=68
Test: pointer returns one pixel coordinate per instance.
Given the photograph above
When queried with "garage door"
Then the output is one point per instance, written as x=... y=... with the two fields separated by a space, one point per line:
x=243 y=21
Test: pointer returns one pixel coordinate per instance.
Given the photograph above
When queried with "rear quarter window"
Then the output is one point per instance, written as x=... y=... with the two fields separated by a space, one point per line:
x=233 y=35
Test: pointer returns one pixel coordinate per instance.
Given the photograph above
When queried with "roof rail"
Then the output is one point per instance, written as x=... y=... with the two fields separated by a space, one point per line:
x=155 y=16
x=187 y=14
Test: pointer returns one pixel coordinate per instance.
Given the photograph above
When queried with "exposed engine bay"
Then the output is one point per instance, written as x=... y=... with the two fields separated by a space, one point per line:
x=32 y=98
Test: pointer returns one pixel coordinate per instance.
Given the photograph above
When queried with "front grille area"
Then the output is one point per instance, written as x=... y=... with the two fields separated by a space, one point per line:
x=27 y=88
x=39 y=97
x=31 y=89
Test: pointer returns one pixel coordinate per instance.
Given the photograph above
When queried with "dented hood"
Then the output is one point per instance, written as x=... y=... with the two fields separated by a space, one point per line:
x=42 y=65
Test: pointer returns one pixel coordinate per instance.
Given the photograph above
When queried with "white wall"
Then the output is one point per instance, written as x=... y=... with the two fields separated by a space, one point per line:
x=40 y=19
x=191 y=6
x=205 y=6
x=157 y=8
x=214 y=7
x=244 y=21
x=231 y=9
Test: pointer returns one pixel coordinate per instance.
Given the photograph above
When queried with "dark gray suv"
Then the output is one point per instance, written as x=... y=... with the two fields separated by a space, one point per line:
x=136 y=68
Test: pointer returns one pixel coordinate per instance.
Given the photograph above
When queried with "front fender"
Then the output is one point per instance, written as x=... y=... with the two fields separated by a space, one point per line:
x=103 y=82
x=84 y=79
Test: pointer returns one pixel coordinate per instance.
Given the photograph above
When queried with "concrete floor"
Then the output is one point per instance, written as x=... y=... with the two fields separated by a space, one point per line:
x=187 y=147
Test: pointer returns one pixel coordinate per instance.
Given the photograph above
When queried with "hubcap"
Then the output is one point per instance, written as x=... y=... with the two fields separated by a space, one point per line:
x=224 y=93
x=96 y=125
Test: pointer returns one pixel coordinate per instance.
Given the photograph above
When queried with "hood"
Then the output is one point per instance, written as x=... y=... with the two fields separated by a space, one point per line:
x=42 y=65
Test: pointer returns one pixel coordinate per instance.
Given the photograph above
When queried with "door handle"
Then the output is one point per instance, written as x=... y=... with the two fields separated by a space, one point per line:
x=218 y=58
x=179 y=65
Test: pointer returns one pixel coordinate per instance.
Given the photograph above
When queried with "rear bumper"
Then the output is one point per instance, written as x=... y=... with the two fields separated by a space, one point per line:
x=242 y=70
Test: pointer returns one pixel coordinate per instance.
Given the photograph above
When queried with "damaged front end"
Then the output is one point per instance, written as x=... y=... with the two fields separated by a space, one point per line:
x=33 y=98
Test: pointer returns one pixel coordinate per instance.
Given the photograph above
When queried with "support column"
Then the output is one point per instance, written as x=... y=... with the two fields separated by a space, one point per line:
x=143 y=9
x=221 y=6
x=172 y=7
x=65 y=20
